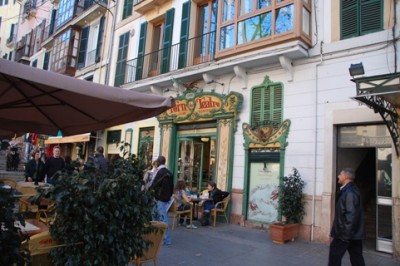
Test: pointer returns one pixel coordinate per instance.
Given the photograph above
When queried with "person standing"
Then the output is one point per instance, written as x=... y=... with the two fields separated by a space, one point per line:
x=35 y=169
x=100 y=159
x=163 y=187
x=54 y=164
x=348 y=225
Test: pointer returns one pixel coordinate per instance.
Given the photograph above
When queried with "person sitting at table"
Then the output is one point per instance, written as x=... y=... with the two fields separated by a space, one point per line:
x=214 y=196
x=182 y=201
x=34 y=168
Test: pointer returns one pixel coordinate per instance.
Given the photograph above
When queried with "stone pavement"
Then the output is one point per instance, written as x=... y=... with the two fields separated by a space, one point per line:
x=230 y=245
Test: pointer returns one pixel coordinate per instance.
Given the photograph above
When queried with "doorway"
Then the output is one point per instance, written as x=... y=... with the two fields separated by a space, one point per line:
x=196 y=161
x=367 y=150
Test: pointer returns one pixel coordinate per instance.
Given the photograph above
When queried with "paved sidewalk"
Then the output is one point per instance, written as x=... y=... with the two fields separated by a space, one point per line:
x=228 y=244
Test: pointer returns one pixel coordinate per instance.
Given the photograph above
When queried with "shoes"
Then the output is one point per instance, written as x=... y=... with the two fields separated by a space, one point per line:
x=167 y=243
x=192 y=226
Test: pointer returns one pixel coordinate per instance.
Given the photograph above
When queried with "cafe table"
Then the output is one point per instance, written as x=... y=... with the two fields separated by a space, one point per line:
x=196 y=203
x=28 y=189
x=32 y=227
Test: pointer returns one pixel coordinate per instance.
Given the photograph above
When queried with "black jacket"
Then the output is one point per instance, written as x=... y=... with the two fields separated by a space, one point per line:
x=163 y=185
x=349 y=217
x=30 y=170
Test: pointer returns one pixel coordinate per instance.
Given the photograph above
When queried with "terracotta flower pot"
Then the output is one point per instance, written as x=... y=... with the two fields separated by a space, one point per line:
x=280 y=233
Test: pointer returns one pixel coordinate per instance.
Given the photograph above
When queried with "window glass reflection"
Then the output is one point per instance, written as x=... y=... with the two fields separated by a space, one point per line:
x=228 y=11
x=254 y=28
x=246 y=6
x=284 y=19
x=227 y=35
x=263 y=3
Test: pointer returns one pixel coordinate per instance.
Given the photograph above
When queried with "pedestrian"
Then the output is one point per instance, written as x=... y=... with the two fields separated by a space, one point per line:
x=100 y=159
x=215 y=195
x=54 y=164
x=348 y=225
x=35 y=169
x=163 y=187
x=149 y=175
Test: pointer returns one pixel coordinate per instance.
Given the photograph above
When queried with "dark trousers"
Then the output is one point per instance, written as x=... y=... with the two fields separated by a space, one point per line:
x=338 y=248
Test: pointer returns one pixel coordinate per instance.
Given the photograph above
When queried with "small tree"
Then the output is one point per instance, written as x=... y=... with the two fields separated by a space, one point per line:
x=101 y=217
x=291 y=199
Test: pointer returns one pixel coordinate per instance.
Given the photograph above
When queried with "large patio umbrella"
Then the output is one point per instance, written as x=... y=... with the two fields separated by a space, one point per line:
x=44 y=102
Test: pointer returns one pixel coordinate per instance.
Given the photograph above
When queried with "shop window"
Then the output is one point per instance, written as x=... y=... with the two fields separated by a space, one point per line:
x=267 y=102
x=360 y=17
x=145 y=147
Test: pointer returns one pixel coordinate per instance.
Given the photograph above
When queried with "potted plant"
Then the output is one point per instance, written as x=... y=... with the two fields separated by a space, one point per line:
x=101 y=218
x=291 y=208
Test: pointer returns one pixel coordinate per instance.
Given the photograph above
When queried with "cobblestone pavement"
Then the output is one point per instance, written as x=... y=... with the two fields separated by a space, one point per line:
x=228 y=244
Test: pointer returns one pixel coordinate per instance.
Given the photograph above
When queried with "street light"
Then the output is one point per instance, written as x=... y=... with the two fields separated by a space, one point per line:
x=356 y=69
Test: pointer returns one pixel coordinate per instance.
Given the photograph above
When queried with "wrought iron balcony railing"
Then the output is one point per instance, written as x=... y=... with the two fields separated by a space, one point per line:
x=197 y=50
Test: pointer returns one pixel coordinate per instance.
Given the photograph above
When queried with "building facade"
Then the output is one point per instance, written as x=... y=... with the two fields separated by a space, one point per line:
x=261 y=86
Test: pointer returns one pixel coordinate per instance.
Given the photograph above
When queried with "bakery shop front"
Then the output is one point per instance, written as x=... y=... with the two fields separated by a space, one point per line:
x=197 y=138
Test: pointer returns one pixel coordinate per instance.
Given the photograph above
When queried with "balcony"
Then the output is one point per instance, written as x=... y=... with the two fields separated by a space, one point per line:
x=85 y=12
x=30 y=8
x=142 y=6
x=11 y=41
x=195 y=51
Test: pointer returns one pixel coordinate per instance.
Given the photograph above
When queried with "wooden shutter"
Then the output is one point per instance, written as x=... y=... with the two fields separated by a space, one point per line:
x=83 y=47
x=166 y=53
x=46 y=61
x=371 y=13
x=121 y=59
x=256 y=106
x=52 y=21
x=141 y=49
x=276 y=108
x=349 y=19
x=127 y=10
x=184 y=35
x=100 y=39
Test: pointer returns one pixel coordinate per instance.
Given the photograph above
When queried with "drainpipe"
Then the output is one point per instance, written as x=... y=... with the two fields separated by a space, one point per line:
x=111 y=43
x=315 y=140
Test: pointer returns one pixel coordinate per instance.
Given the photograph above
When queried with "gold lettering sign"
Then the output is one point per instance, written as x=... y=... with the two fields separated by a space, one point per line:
x=206 y=104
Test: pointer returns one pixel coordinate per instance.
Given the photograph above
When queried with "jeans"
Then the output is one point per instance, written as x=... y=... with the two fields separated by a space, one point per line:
x=338 y=248
x=161 y=210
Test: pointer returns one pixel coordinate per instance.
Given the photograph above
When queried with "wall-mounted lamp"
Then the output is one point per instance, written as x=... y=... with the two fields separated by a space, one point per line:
x=356 y=69
x=205 y=139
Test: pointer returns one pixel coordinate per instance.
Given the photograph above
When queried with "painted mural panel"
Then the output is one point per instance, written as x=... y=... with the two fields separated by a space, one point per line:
x=264 y=179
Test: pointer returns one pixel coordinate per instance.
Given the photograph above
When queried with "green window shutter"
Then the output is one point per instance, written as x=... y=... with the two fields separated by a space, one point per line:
x=349 y=19
x=371 y=13
x=166 y=53
x=141 y=48
x=267 y=104
x=46 y=61
x=127 y=10
x=121 y=59
x=83 y=47
x=184 y=34
x=100 y=38
x=256 y=106
x=276 y=109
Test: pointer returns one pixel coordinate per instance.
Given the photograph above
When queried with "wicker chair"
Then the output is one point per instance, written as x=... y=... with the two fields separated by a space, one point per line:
x=177 y=214
x=220 y=209
x=8 y=181
x=151 y=254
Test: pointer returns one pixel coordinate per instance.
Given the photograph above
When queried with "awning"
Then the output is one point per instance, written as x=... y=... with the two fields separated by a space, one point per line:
x=44 y=102
x=69 y=139
x=382 y=93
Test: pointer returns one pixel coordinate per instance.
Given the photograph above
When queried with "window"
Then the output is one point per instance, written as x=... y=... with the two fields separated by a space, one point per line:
x=46 y=61
x=206 y=27
x=65 y=12
x=127 y=9
x=267 y=103
x=128 y=140
x=360 y=17
x=156 y=47
x=65 y=50
x=90 y=44
x=146 y=142
x=114 y=137
x=34 y=63
x=247 y=24
x=121 y=59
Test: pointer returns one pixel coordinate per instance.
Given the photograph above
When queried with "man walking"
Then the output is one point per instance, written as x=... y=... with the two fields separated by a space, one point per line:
x=348 y=226
x=163 y=186
x=100 y=159
x=54 y=164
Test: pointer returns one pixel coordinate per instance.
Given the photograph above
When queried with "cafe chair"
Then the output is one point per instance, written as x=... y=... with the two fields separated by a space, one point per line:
x=156 y=238
x=221 y=209
x=24 y=203
x=177 y=214
x=10 y=182
x=48 y=215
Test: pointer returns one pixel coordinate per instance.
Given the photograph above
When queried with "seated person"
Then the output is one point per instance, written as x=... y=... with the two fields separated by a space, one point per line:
x=215 y=196
x=182 y=201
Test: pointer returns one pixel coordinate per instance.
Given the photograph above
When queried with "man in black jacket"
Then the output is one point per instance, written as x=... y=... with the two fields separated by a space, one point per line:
x=163 y=186
x=348 y=226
